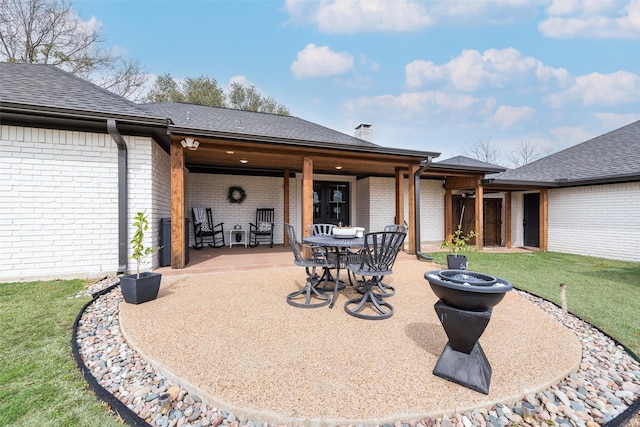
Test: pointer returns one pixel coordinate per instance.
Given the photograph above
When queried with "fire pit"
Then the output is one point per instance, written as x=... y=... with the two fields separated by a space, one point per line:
x=466 y=302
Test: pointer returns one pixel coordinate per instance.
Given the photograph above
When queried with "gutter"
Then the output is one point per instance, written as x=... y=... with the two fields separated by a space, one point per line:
x=424 y=165
x=122 y=195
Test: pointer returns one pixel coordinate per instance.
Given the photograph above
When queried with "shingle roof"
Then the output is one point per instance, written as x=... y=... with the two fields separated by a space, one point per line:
x=613 y=155
x=47 y=86
x=468 y=162
x=225 y=120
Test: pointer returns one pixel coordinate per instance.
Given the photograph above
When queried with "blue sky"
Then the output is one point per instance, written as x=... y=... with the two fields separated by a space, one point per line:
x=427 y=75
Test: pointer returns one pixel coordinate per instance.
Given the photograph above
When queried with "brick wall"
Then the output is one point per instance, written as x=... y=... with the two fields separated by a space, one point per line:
x=58 y=210
x=600 y=220
x=377 y=206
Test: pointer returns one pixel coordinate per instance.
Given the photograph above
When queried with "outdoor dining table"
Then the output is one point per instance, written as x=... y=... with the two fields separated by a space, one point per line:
x=339 y=244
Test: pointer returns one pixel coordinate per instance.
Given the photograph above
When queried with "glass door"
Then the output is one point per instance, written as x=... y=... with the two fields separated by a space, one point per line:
x=331 y=202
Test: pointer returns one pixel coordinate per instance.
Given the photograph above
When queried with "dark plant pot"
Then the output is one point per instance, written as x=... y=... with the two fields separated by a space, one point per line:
x=456 y=262
x=238 y=237
x=137 y=291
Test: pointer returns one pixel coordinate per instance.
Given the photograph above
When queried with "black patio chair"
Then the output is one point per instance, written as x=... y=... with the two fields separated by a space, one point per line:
x=396 y=227
x=262 y=230
x=203 y=227
x=310 y=294
x=376 y=262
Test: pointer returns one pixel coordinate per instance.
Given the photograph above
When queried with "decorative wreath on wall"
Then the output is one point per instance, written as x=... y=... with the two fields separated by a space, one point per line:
x=236 y=194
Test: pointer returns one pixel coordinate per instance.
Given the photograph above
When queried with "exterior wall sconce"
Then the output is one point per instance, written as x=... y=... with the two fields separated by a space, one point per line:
x=190 y=143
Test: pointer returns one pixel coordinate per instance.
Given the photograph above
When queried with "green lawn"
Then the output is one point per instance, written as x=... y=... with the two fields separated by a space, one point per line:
x=40 y=384
x=603 y=292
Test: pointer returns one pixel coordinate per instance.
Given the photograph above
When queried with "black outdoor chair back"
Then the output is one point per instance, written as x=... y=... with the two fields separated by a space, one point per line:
x=262 y=229
x=203 y=227
x=321 y=229
x=380 y=252
x=396 y=227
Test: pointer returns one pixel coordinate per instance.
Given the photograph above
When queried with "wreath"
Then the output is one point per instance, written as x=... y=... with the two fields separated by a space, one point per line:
x=236 y=195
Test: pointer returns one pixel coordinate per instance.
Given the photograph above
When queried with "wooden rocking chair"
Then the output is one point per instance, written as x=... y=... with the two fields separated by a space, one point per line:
x=203 y=227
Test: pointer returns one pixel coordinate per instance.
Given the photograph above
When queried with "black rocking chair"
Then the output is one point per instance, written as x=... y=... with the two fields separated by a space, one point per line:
x=377 y=258
x=262 y=230
x=203 y=227
x=310 y=296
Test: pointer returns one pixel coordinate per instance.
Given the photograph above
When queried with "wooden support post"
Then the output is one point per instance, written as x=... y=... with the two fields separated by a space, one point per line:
x=412 y=210
x=285 y=189
x=563 y=297
x=507 y=219
x=448 y=213
x=544 y=220
x=479 y=215
x=399 y=219
x=177 y=206
x=307 y=195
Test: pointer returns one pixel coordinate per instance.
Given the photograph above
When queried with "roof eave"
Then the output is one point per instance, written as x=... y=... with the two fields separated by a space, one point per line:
x=301 y=143
x=75 y=114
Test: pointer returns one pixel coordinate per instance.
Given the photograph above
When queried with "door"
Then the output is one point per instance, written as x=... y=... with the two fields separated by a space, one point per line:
x=531 y=221
x=331 y=203
x=492 y=222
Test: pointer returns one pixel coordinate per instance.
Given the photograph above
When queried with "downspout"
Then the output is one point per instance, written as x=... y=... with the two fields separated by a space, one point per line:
x=424 y=164
x=123 y=256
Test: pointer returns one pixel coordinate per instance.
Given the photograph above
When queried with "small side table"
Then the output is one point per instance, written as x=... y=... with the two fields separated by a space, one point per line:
x=232 y=239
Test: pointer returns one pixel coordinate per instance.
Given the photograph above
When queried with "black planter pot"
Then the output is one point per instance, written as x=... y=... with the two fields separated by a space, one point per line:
x=137 y=291
x=456 y=262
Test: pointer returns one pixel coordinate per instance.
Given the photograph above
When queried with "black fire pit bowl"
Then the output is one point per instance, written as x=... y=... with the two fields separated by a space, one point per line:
x=467 y=290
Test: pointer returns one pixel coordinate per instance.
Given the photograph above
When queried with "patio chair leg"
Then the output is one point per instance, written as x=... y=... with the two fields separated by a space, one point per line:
x=369 y=297
x=309 y=291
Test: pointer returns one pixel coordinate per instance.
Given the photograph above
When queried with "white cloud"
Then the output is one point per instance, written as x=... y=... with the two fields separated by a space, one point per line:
x=614 y=121
x=494 y=68
x=507 y=116
x=620 y=87
x=592 y=19
x=357 y=16
x=428 y=106
x=321 y=61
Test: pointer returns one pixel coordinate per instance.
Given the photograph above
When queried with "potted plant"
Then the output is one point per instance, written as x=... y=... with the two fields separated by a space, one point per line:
x=140 y=287
x=457 y=243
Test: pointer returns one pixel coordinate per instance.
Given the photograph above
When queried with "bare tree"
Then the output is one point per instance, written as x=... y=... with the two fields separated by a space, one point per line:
x=50 y=32
x=527 y=152
x=483 y=150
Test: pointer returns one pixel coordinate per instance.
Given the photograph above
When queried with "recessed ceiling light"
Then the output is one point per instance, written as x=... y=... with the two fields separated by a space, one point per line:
x=230 y=152
x=338 y=167
x=244 y=161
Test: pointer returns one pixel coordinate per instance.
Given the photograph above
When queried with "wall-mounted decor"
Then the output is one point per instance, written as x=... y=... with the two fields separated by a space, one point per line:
x=236 y=194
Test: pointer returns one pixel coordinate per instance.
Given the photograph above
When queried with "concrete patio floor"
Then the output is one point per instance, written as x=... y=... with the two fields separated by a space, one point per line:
x=221 y=327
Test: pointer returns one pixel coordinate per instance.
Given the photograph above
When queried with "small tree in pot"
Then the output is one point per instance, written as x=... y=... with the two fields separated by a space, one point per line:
x=140 y=287
x=457 y=243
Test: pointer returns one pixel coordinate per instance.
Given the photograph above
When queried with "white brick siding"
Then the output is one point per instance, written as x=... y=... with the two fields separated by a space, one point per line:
x=208 y=190
x=377 y=206
x=600 y=220
x=59 y=204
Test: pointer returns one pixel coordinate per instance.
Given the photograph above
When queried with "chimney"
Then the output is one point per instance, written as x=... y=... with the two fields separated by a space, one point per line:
x=364 y=131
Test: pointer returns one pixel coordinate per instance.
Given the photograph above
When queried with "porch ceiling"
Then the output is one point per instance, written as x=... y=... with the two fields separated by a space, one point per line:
x=212 y=155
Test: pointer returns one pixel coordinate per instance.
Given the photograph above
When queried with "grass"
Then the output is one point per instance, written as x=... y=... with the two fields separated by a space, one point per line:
x=603 y=292
x=41 y=385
